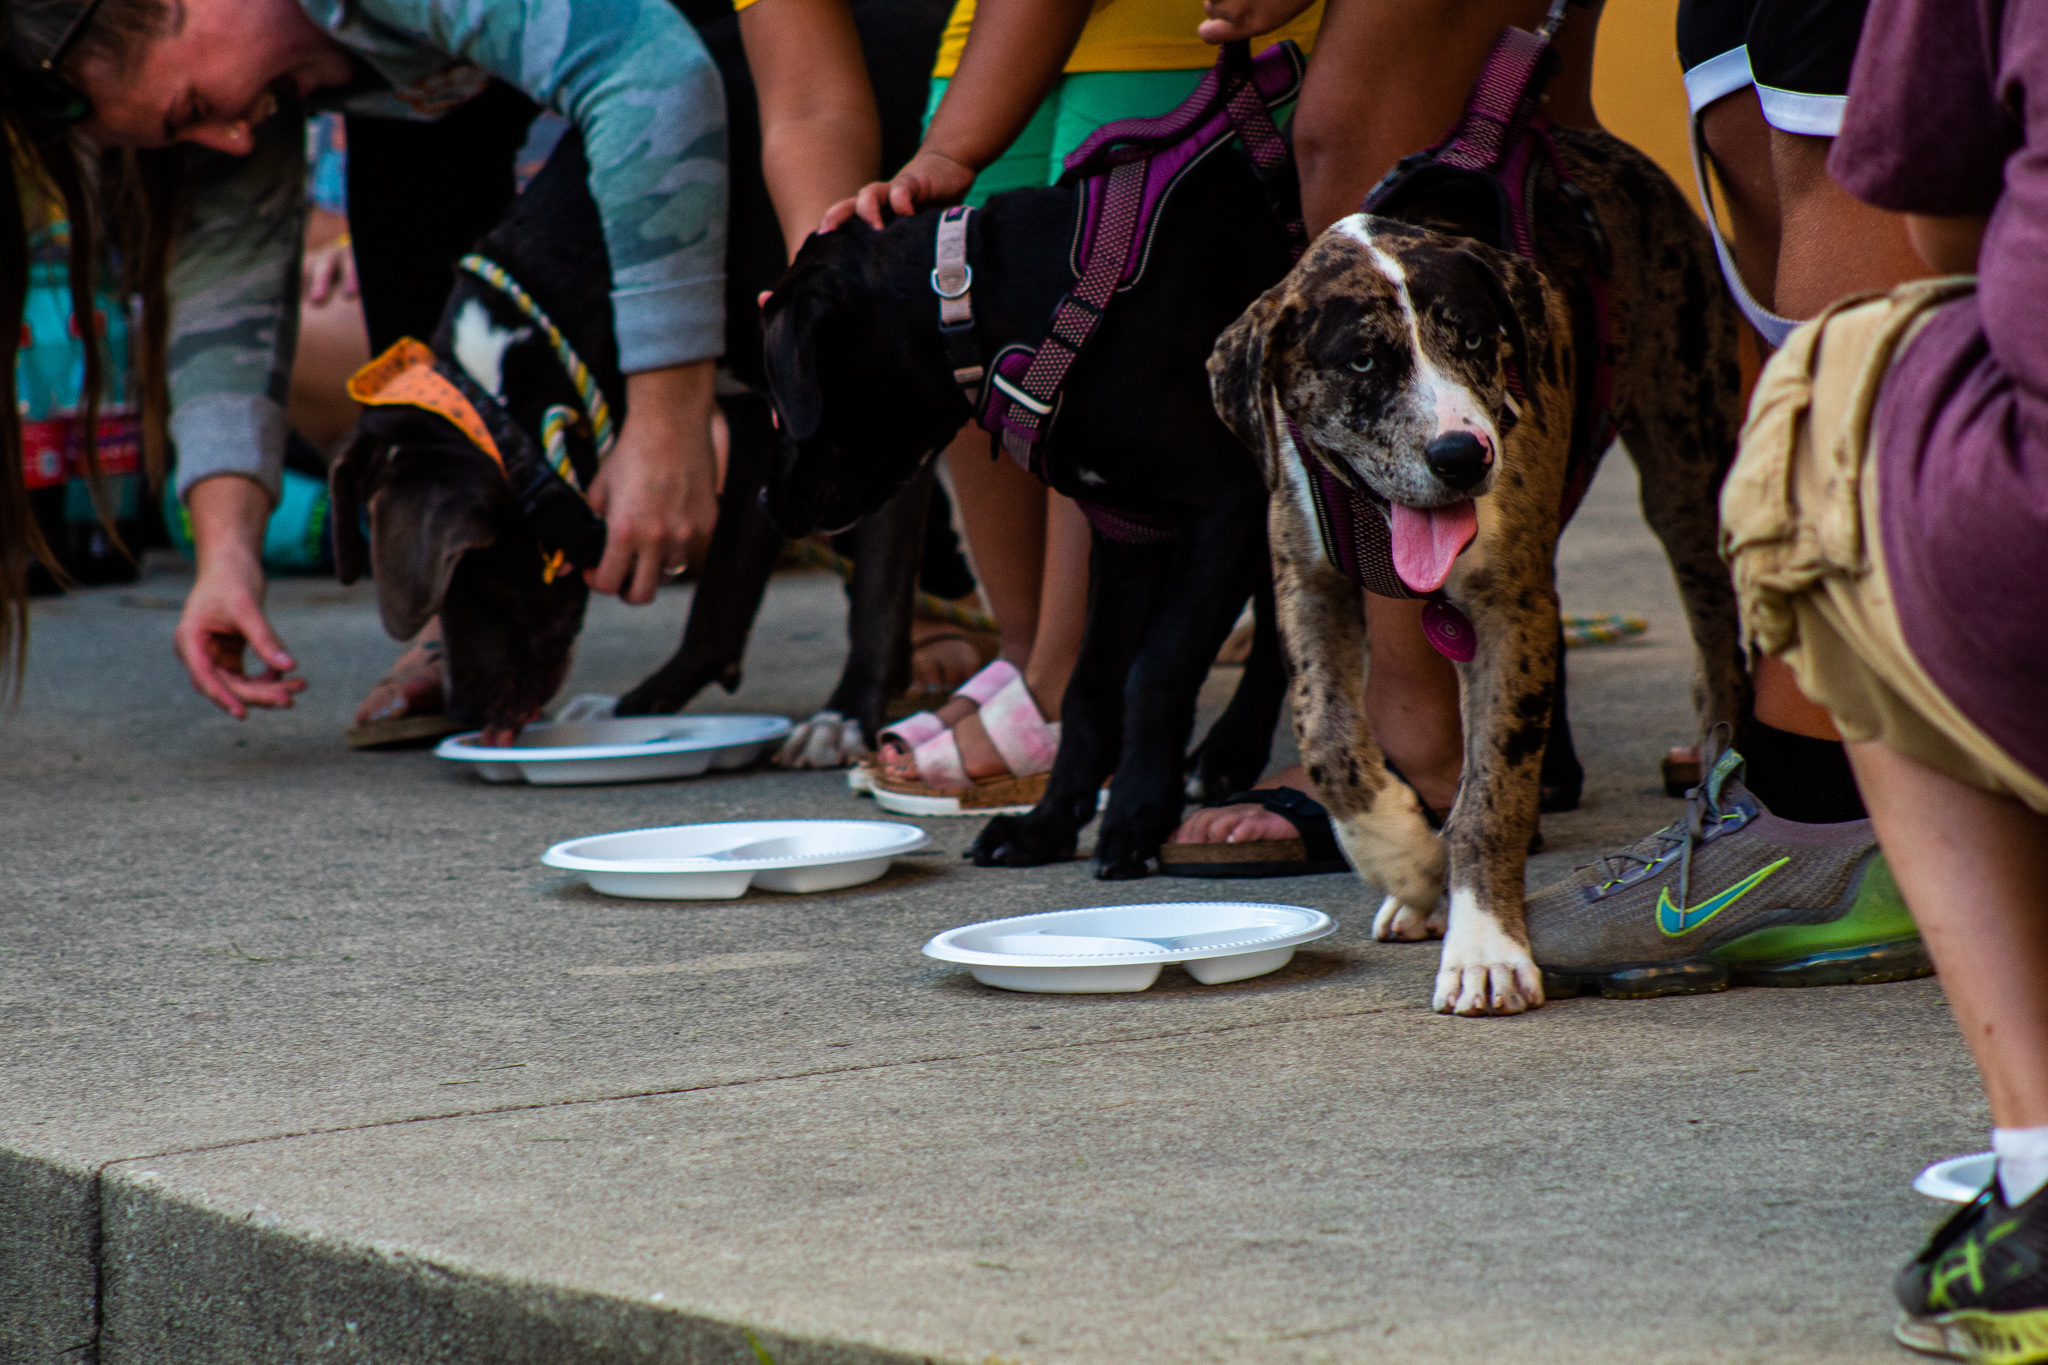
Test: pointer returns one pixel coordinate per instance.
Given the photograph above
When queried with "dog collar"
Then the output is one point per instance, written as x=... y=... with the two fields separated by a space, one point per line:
x=953 y=282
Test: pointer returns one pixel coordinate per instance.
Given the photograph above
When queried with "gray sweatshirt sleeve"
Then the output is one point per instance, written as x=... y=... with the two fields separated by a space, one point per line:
x=635 y=79
x=632 y=76
x=235 y=308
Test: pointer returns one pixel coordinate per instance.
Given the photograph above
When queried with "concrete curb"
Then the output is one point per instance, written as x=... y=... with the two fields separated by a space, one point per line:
x=104 y=1268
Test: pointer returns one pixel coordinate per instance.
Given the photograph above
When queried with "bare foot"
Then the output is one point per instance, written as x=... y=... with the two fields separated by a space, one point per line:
x=1244 y=824
x=414 y=686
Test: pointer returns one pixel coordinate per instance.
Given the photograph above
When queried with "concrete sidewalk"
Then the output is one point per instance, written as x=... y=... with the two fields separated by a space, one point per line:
x=303 y=1056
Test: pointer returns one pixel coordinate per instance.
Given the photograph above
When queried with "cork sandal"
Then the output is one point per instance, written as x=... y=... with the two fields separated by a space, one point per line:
x=1022 y=737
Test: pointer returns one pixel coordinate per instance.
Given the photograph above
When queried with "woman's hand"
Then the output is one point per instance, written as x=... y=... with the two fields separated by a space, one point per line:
x=1232 y=21
x=658 y=489
x=926 y=180
x=223 y=616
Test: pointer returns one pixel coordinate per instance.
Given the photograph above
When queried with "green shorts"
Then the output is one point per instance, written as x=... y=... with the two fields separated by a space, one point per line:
x=1077 y=106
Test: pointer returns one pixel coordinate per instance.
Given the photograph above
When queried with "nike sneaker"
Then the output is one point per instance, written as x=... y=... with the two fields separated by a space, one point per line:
x=1979 y=1291
x=1731 y=895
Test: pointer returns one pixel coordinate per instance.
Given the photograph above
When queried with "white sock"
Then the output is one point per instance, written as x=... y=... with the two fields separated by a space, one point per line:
x=2022 y=1162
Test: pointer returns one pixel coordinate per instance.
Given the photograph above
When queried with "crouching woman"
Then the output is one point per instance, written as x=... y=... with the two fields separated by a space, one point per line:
x=198 y=107
x=1887 y=522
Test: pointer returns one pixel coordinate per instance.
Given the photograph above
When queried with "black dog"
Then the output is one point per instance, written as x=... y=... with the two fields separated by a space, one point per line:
x=446 y=535
x=866 y=394
x=899 y=39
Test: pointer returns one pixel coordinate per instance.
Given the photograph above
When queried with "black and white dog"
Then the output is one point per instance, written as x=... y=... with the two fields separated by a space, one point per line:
x=867 y=393
x=1385 y=355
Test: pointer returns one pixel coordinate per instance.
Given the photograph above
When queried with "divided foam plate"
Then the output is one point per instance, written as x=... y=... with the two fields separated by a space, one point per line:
x=639 y=749
x=1958 y=1179
x=721 y=861
x=1124 y=947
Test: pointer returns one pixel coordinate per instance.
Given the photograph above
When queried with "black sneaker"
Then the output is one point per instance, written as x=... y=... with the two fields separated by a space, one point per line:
x=1979 y=1292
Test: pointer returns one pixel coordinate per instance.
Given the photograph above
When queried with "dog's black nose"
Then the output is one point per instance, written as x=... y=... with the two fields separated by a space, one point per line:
x=1458 y=458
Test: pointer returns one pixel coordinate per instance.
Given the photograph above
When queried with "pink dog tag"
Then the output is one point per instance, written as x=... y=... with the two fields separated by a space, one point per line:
x=1450 y=631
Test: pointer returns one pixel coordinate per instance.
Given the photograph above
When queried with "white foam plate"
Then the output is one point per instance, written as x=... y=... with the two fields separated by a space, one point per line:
x=1957 y=1179
x=720 y=861
x=1124 y=947
x=639 y=749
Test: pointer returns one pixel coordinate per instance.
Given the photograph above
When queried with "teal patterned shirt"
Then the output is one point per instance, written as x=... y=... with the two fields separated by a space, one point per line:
x=630 y=75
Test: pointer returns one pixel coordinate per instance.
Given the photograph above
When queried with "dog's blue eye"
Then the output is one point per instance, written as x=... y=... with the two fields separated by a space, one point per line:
x=1472 y=342
x=1362 y=363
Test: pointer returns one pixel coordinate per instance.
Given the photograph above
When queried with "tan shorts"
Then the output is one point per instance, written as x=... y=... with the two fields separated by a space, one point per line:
x=1800 y=529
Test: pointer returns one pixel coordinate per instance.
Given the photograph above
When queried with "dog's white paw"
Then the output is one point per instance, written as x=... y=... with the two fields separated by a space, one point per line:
x=826 y=740
x=1484 y=971
x=1397 y=922
x=587 y=706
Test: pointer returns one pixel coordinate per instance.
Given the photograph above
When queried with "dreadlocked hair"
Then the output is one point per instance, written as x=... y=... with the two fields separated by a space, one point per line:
x=121 y=205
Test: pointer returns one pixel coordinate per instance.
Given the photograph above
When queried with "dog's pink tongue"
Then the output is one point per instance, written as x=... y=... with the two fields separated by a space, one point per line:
x=1426 y=540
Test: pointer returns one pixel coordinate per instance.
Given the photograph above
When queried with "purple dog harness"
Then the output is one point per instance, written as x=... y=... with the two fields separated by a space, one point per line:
x=1502 y=139
x=1127 y=170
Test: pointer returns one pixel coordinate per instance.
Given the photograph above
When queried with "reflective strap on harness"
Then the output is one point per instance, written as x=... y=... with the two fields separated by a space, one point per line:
x=953 y=282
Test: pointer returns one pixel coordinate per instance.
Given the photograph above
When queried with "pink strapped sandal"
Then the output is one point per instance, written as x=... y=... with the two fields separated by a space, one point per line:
x=1026 y=741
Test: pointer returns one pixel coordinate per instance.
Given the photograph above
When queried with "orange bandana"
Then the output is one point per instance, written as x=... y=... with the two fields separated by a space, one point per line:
x=405 y=376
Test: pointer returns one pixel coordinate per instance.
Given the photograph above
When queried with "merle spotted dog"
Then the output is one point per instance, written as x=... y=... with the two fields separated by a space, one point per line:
x=867 y=392
x=1382 y=369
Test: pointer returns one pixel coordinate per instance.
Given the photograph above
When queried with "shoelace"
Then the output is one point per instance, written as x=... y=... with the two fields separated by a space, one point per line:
x=1687 y=832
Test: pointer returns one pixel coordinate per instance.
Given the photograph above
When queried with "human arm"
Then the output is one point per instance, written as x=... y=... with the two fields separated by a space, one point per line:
x=233 y=284
x=1014 y=55
x=821 y=136
x=647 y=101
x=223 y=614
x=1232 y=21
x=657 y=490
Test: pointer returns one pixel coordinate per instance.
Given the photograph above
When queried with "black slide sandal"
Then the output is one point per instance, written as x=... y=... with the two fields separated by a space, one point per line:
x=1312 y=852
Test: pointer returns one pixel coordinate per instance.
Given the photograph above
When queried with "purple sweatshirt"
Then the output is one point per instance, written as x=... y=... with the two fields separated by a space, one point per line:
x=1948 y=116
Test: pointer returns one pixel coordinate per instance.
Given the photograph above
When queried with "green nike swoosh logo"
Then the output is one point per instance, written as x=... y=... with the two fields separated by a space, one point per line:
x=1672 y=921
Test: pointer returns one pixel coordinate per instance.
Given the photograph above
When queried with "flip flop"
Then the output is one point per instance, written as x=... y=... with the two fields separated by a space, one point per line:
x=1313 y=851
x=410 y=730
x=400 y=732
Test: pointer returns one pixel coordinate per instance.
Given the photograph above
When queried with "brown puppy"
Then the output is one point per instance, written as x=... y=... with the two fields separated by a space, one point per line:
x=1385 y=354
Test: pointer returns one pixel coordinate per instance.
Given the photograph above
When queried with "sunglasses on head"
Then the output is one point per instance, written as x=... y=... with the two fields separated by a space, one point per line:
x=38 y=91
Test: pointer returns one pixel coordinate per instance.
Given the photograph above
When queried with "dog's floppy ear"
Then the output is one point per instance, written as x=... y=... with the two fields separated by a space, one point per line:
x=419 y=530
x=1513 y=286
x=345 y=482
x=795 y=315
x=1240 y=374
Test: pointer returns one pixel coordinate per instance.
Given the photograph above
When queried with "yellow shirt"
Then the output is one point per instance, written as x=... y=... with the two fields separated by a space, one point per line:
x=1134 y=35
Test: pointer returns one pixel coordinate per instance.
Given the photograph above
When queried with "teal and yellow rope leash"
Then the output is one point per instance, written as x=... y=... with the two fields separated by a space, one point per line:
x=587 y=390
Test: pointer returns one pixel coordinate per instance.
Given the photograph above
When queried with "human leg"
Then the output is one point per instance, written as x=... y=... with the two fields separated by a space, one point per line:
x=1972 y=865
x=1974 y=868
x=420 y=195
x=1818 y=219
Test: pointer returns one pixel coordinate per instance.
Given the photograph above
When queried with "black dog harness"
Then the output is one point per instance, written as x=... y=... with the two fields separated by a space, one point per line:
x=1126 y=170
x=1499 y=144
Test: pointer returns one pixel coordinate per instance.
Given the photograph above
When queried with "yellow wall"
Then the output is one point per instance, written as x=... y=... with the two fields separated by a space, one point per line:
x=1637 y=89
